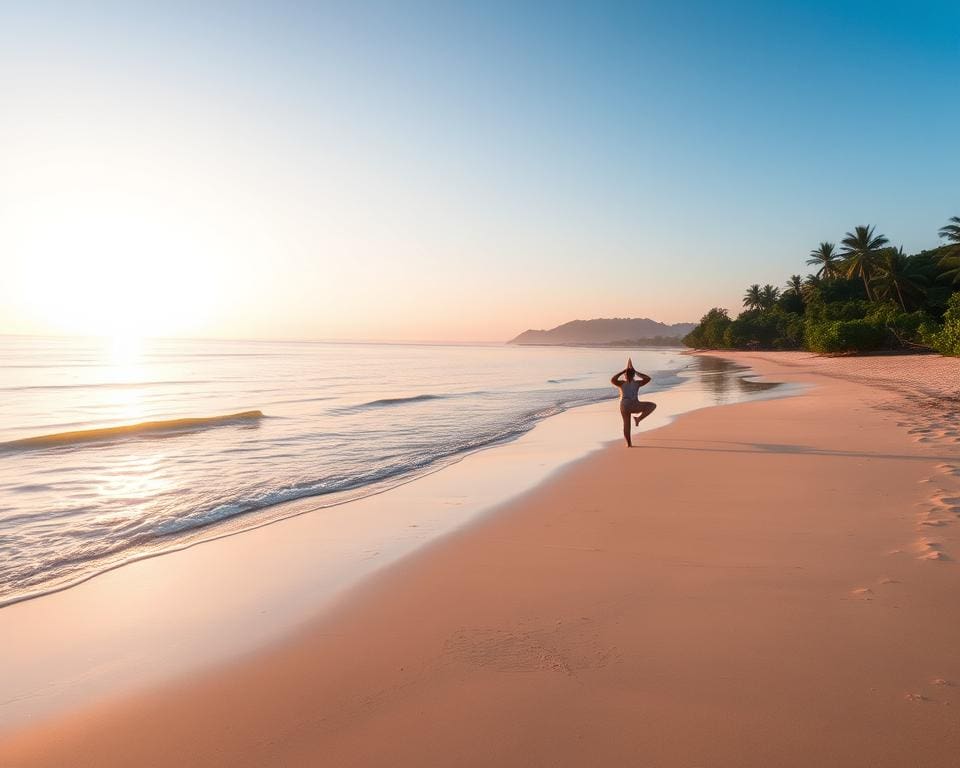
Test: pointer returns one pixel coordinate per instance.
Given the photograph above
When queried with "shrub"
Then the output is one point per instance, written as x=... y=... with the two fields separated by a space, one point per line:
x=860 y=335
x=845 y=336
x=903 y=327
x=945 y=338
x=771 y=329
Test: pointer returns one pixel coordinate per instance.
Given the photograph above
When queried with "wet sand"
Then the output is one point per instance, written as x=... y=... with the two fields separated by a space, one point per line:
x=769 y=583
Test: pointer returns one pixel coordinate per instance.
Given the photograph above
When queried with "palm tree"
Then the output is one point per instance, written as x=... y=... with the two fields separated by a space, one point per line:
x=951 y=259
x=860 y=251
x=753 y=298
x=825 y=257
x=898 y=275
x=769 y=296
x=794 y=286
x=951 y=231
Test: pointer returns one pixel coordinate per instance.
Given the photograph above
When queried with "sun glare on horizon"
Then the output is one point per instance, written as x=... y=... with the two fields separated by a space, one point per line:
x=117 y=274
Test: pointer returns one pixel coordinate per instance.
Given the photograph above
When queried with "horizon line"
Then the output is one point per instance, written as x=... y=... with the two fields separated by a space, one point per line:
x=149 y=337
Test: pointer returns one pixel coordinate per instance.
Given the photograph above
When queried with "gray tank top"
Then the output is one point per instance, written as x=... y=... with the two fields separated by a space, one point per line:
x=629 y=390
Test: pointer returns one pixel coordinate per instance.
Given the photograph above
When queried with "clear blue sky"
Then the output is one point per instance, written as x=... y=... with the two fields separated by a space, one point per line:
x=444 y=171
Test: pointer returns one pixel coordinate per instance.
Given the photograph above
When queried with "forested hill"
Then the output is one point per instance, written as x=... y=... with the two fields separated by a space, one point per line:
x=604 y=331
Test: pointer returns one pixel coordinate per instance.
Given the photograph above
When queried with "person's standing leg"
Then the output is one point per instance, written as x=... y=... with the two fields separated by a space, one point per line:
x=626 y=427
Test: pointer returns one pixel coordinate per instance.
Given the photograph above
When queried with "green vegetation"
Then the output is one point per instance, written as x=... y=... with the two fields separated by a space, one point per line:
x=868 y=296
x=945 y=338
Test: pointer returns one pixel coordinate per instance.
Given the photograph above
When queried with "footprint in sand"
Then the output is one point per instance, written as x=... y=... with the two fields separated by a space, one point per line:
x=862 y=593
x=931 y=549
x=916 y=698
x=888 y=580
x=940 y=682
x=946 y=503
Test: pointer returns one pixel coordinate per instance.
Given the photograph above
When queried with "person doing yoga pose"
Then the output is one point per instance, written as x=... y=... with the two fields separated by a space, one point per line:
x=630 y=404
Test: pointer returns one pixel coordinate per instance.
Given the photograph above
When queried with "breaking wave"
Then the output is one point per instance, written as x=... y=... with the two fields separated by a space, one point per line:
x=78 y=437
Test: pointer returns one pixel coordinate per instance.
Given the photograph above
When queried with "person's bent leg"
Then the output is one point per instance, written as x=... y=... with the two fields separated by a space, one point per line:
x=646 y=408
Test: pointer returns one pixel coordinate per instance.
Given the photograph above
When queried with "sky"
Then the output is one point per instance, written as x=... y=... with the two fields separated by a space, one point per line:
x=453 y=171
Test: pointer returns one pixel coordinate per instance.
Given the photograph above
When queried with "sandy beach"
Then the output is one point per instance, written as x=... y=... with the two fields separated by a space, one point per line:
x=771 y=583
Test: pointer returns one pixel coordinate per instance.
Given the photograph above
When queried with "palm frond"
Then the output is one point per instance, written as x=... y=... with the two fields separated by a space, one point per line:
x=825 y=257
x=951 y=230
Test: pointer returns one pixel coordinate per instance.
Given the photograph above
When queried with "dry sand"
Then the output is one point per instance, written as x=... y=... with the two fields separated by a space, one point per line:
x=766 y=584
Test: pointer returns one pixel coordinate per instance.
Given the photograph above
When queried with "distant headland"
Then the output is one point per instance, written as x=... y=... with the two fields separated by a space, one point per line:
x=613 y=331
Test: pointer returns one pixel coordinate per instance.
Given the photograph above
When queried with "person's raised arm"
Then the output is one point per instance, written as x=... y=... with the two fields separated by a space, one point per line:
x=616 y=378
x=643 y=379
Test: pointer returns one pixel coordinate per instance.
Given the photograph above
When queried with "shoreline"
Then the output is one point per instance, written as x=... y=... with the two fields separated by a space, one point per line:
x=810 y=538
x=356 y=538
x=269 y=514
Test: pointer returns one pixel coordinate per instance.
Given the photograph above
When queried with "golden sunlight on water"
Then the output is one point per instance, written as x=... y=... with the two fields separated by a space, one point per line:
x=124 y=361
x=136 y=478
x=125 y=351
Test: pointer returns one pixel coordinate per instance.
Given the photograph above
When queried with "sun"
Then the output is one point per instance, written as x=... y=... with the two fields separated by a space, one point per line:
x=121 y=275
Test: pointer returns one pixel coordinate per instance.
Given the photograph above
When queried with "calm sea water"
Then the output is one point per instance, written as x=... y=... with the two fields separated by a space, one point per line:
x=115 y=450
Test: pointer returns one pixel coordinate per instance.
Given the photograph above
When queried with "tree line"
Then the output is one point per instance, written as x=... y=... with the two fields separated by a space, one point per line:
x=864 y=295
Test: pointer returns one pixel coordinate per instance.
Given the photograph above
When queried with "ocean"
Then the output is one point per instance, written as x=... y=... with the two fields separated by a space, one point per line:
x=113 y=450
